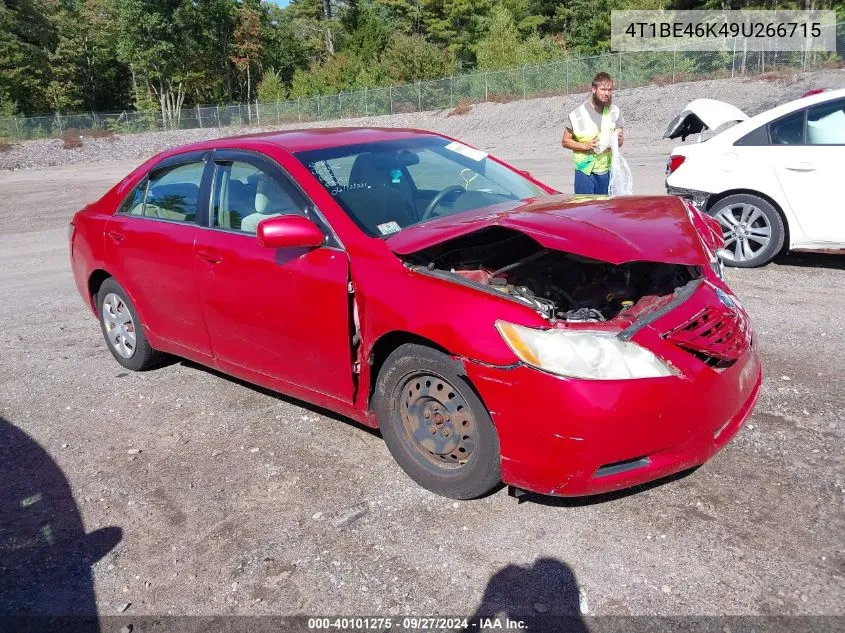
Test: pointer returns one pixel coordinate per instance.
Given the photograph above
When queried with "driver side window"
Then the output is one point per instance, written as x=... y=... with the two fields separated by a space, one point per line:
x=245 y=194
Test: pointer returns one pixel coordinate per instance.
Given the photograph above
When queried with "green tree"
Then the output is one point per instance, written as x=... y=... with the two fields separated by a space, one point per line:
x=26 y=39
x=404 y=16
x=501 y=47
x=214 y=29
x=586 y=23
x=84 y=73
x=282 y=50
x=270 y=88
x=246 y=43
x=456 y=24
x=411 y=58
x=156 y=40
x=340 y=72
x=369 y=33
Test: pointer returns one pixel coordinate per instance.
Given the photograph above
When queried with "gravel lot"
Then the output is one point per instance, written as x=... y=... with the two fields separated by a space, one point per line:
x=235 y=500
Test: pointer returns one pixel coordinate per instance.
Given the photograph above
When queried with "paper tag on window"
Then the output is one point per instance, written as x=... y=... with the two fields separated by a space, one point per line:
x=463 y=150
x=388 y=227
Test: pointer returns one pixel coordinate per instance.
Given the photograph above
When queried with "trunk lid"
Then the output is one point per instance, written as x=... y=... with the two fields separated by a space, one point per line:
x=703 y=114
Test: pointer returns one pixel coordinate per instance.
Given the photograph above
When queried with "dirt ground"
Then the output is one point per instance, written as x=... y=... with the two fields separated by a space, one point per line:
x=233 y=500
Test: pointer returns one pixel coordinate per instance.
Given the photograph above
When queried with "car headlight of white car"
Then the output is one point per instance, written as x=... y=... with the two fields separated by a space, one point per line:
x=587 y=354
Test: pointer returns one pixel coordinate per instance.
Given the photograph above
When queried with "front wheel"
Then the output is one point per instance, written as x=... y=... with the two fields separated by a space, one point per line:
x=434 y=424
x=752 y=228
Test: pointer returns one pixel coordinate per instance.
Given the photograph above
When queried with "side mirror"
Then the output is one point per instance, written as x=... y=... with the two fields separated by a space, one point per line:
x=289 y=231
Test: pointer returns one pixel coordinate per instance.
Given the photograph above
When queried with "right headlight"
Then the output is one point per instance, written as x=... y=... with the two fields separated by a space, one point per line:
x=582 y=353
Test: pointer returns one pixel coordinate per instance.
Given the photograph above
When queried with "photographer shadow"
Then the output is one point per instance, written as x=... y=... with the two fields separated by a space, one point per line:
x=543 y=597
x=45 y=554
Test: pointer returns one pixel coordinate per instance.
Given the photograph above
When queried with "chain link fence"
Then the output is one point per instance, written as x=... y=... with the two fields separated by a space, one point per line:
x=557 y=78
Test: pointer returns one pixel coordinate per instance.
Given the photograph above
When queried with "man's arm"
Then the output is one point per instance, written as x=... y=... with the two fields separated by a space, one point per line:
x=570 y=143
x=621 y=132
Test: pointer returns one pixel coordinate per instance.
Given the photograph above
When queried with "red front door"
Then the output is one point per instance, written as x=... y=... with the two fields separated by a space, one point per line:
x=281 y=312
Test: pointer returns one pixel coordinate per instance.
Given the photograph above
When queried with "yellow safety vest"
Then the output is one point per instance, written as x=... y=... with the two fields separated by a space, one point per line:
x=584 y=130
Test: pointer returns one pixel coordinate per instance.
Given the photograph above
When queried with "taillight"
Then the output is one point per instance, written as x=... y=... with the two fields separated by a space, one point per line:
x=674 y=163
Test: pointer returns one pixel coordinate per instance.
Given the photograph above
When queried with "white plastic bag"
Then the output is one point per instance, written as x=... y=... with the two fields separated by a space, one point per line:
x=621 y=181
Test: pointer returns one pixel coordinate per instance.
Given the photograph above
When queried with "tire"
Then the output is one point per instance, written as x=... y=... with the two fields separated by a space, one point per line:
x=122 y=329
x=753 y=229
x=420 y=390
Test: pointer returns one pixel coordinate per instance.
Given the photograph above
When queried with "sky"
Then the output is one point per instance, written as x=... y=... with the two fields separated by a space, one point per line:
x=281 y=3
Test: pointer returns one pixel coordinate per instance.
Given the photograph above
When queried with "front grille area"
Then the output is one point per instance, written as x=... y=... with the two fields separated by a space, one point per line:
x=718 y=337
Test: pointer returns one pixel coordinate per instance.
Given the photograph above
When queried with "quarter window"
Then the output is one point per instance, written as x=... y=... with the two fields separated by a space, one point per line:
x=826 y=124
x=244 y=195
x=788 y=130
x=134 y=203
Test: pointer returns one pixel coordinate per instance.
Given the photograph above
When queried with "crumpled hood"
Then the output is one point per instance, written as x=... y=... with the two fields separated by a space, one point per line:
x=614 y=230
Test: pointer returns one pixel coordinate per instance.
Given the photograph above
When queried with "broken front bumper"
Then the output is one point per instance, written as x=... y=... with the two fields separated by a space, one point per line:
x=570 y=437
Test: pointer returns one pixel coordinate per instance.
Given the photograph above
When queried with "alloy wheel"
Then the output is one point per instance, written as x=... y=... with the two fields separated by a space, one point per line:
x=746 y=230
x=120 y=327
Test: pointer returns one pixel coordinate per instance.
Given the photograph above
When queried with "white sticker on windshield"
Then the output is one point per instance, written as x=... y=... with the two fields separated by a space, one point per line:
x=388 y=227
x=463 y=150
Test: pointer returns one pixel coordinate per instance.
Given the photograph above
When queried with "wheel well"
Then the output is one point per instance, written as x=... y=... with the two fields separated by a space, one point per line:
x=385 y=346
x=716 y=198
x=95 y=280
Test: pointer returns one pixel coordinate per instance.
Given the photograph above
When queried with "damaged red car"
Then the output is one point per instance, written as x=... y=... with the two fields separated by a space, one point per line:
x=492 y=329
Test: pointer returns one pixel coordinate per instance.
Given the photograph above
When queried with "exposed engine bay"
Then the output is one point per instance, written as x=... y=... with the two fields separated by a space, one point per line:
x=556 y=284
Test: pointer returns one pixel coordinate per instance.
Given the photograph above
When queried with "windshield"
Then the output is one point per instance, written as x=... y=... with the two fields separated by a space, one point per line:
x=387 y=186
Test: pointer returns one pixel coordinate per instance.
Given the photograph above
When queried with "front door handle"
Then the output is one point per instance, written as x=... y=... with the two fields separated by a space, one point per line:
x=209 y=256
x=114 y=235
x=802 y=166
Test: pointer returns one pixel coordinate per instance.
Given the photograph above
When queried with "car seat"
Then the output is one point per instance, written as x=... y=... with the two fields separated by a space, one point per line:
x=270 y=200
x=378 y=192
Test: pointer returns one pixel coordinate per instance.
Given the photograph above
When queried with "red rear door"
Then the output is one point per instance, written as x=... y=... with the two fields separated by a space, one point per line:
x=149 y=247
x=280 y=312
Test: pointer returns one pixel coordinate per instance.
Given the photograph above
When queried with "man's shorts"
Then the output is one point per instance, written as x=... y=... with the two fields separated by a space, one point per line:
x=593 y=183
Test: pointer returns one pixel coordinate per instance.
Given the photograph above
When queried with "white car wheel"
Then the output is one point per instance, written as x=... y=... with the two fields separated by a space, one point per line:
x=752 y=228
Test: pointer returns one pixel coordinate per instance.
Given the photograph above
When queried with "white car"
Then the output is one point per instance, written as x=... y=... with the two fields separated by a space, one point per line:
x=775 y=181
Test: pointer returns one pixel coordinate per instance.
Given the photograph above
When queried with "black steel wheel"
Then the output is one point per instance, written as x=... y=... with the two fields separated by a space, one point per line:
x=434 y=424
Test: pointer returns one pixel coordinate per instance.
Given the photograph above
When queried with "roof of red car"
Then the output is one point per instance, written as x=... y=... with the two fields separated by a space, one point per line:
x=314 y=138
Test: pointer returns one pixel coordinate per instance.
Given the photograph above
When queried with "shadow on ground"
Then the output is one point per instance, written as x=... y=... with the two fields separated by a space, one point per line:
x=45 y=554
x=541 y=595
x=302 y=404
x=812 y=260
x=577 y=502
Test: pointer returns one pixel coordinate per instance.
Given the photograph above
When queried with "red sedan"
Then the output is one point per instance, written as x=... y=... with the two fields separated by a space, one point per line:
x=493 y=329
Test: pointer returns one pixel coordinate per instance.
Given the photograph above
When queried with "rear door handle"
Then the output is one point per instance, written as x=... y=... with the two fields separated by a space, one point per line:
x=209 y=256
x=114 y=235
x=802 y=166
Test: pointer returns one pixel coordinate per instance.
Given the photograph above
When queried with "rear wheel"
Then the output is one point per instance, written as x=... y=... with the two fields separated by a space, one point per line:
x=434 y=424
x=123 y=330
x=752 y=228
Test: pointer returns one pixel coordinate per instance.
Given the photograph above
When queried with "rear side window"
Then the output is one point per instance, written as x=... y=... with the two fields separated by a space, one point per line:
x=826 y=124
x=760 y=136
x=788 y=130
x=171 y=193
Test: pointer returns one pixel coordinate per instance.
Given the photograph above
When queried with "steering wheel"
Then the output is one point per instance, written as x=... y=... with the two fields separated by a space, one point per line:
x=437 y=199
